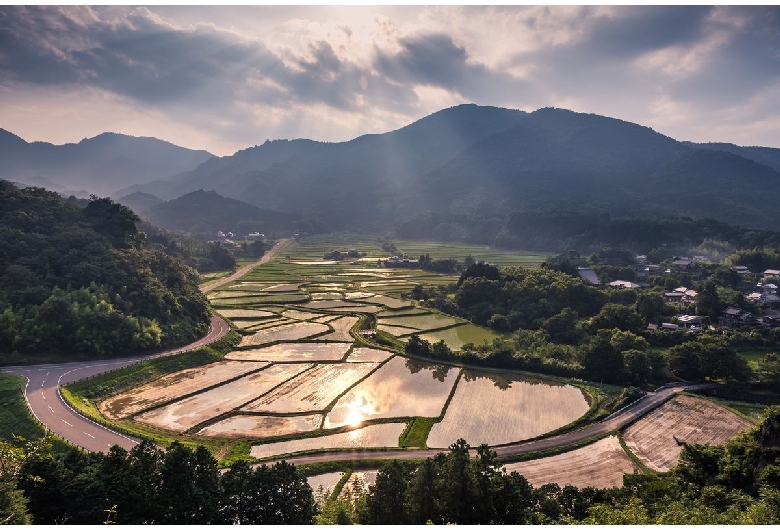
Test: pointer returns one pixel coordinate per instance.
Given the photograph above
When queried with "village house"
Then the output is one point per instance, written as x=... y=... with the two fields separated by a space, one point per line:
x=734 y=316
x=765 y=295
x=588 y=275
x=682 y=296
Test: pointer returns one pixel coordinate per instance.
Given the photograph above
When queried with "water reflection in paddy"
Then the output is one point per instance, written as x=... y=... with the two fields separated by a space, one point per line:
x=496 y=409
x=401 y=388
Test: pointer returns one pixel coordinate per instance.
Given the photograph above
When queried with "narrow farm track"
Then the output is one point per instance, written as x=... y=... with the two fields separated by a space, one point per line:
x=43 y=396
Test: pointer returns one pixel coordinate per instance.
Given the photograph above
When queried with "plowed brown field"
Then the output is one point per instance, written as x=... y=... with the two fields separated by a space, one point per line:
x=600 y=465
x=689 y=419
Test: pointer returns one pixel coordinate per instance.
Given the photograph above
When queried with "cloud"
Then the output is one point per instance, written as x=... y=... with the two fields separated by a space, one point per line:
x=333 y=73
x=435 y=60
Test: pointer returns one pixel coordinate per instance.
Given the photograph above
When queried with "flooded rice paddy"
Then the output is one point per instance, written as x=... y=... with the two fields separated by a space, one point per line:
x=380 y=435
x=497 y=409
x=174 y=386
x=294 y=352
x=189 y=412
x=299 y=371
x=400 y=388
x=253 y=426
x=312 y=390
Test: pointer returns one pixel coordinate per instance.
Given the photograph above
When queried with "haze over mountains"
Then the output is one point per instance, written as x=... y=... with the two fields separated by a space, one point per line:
x=461 y=161
x=99 y=165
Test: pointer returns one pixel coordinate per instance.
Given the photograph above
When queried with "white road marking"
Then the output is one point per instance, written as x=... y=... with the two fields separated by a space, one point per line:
x=51 y=409
x=89 y=435
x=66 y=422
x=43 y=395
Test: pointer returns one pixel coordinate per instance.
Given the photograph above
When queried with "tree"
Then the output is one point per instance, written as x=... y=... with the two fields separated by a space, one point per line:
x=600 y=360
x=617 y=316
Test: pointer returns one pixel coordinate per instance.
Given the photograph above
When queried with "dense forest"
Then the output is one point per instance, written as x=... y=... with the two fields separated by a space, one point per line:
x=86 y=282
x=736 y=483
x=149 y=486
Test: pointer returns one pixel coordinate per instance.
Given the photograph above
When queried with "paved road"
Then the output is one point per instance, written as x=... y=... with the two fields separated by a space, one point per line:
x=612 y=423
x=45 y=401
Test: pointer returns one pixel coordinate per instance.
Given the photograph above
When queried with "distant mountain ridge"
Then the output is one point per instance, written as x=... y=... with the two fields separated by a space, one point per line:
x=470 y=159
x=471 y=164
x=204 y=213
x=99 y=165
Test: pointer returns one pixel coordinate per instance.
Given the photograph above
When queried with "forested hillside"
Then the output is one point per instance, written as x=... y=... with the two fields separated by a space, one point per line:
x=84 y=282
x=203 y=213
x=468 y=165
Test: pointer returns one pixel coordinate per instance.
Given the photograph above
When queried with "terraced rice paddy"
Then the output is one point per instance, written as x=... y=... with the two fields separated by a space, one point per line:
x=599 y=465
x=381 y=435
x=341 y=329
x=360 y=355
x=312 y=390
x=189 y=412
x=245 y=313
x=245 y=324
x=287 y=332
x=398 y=331
x=496 y=409
x=297 y=314
x=174 y=386
x=689 y=420
x=300 y=315
x=294 y=352
x=399 y=389
x=252 y=426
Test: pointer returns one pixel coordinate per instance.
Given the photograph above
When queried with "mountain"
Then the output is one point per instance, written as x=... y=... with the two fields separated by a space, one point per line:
x=204 y=213
x=768 y=156
x=487 y=161
x=139 y=202
x=99 y=165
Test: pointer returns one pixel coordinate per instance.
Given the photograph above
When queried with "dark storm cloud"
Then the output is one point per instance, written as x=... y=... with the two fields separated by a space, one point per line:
x=136 y=56
x=139 y=56
x=748 y=63
x=435 y=60
x=744 y=59
x=639 y=30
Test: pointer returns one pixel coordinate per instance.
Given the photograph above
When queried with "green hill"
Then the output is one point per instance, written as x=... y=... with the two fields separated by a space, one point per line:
x=82 y=282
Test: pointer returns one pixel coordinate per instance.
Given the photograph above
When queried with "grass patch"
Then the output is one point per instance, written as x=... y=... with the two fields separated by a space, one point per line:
x=416 y=433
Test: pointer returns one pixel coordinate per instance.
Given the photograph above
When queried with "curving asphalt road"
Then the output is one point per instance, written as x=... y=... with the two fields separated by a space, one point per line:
x=46 y=403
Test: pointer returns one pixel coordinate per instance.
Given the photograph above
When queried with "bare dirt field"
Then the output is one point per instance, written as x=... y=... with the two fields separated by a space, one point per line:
x=689 y=419
x=600 y=465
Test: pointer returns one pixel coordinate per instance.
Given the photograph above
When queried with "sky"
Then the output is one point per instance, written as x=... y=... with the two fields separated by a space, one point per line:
x=227 y=78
